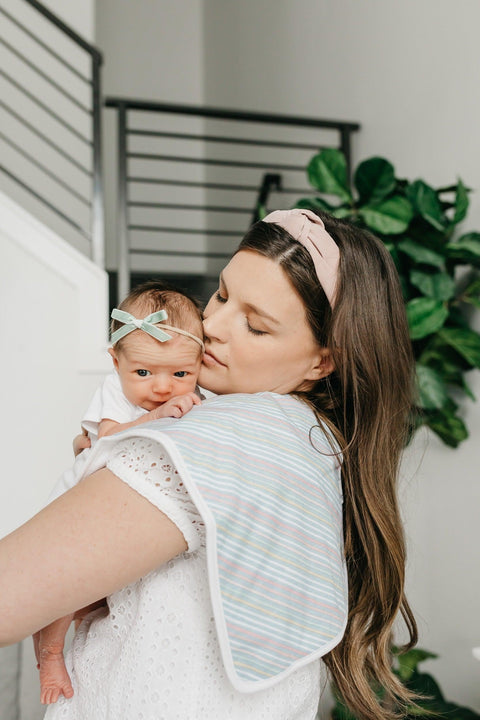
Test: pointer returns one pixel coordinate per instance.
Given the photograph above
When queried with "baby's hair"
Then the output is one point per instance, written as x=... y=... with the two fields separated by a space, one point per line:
x=149 y=297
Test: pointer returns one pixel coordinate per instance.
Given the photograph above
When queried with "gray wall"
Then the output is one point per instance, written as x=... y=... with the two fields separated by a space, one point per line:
x=153 y=50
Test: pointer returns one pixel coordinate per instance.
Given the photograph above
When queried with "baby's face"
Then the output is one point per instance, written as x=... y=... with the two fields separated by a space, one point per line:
x=152 y=372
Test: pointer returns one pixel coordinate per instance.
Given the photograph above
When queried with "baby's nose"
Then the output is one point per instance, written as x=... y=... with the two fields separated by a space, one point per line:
x=161 y=384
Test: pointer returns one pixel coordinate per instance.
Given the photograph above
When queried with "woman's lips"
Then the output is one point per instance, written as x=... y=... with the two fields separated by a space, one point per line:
x=210 y=360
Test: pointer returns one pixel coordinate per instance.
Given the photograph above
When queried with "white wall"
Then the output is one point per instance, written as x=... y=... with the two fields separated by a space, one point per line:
x=408 y=72
x=54 y=339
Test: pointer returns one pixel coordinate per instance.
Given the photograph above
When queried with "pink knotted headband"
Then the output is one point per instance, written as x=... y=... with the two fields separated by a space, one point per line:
x=309 y=230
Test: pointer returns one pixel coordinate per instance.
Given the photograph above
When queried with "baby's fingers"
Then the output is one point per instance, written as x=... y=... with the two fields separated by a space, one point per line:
x=81 y=442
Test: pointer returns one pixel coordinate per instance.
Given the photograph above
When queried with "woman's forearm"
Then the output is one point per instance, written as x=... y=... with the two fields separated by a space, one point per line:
x=96 y=538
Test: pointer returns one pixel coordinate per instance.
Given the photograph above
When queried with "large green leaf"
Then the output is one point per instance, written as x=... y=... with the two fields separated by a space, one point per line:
x=450 y=428
x=466 y=249
x=327 y=172
x=445 y=362
x=408 y=662
x=461 y=203
x=425 y=316
x=374 y=179
x=466 y=342
x=389 y=217
x=471 y=294
x=421 y=254
x=425 y=201
x=315 y=203
x=431 y=388
x=439 y=286
x=437 y=350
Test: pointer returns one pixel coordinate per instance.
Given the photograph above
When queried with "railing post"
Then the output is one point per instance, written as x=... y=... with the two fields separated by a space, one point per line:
x=346 y=149
x=122 y=215
x=98 y=220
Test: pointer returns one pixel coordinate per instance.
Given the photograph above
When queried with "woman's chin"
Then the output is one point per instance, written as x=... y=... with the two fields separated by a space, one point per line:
x=211 y=378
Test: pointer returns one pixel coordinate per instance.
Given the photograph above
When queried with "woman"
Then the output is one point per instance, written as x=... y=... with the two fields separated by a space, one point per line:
x=309 y=320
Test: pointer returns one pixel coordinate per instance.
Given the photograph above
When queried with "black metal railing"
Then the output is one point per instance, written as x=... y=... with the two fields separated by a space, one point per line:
x=51 y=121
x=191 y=179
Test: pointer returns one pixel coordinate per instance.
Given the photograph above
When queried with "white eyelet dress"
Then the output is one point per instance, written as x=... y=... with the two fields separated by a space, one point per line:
x=156 y=656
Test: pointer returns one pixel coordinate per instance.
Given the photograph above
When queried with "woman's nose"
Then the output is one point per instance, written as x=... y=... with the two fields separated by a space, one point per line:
x=215 y=323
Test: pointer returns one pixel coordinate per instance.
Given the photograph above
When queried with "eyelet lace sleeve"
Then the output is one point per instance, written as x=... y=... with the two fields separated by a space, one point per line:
x=146 y=467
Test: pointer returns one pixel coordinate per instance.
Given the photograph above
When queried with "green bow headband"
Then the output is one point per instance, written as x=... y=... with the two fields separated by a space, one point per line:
x=147 y=324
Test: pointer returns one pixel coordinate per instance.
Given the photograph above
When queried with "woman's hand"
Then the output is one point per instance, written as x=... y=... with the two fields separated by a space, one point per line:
x=81 y=442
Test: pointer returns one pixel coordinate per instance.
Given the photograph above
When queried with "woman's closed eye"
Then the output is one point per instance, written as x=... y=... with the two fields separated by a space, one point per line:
x=143 y=373
x=221 y=299
x=254 y=331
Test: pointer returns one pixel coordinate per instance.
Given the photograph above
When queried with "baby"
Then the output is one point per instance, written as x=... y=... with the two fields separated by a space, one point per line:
x=155 y=376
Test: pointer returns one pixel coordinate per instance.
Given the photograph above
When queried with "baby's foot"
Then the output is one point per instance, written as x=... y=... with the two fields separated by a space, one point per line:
x=54 y=678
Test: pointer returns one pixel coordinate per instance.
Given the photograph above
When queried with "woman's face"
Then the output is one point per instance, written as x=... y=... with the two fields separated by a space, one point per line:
x=257 y=336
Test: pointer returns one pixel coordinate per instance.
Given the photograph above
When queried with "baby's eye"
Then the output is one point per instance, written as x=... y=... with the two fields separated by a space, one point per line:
x=180 y=373
x=143 y=373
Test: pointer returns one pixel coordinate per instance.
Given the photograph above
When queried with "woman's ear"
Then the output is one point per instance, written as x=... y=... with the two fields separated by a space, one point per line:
x=323 y=365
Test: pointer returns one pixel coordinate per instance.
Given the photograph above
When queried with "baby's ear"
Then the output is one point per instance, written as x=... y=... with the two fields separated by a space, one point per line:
x=111 y=352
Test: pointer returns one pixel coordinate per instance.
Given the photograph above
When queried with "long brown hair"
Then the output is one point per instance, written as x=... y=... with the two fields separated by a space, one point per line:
x=366 y=402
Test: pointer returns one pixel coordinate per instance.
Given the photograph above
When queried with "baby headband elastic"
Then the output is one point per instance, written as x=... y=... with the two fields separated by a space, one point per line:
x=147 y=324
x=309 y=230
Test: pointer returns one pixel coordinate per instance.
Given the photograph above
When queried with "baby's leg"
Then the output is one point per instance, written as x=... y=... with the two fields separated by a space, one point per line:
x=54 y=679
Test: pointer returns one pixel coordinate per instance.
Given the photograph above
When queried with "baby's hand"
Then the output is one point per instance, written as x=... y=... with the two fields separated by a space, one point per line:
x=81 y=442
x=176 y=407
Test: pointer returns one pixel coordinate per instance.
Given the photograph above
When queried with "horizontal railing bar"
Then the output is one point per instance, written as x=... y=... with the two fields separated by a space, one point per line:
x=44 y=107
x=175 y=253
x=209 y=186
x=221 y=163
x=46 y=139
x=186 y=231
x=225 y=139
x=176 y=206
x=67 y=30
x=190 y=183
x=46 y=47
x=45 y=202
x=46 y=77
x=45 y=170
x=223 y=114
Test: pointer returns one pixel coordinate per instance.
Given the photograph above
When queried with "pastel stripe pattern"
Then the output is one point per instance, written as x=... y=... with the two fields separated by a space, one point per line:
x=272 y=504
x=267 y=483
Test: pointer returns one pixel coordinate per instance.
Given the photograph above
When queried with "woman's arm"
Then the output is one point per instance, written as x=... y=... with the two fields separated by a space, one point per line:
x=96 y=538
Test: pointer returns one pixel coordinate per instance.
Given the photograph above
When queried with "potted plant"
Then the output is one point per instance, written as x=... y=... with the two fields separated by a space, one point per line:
x=431 y=702
x=438 y=271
